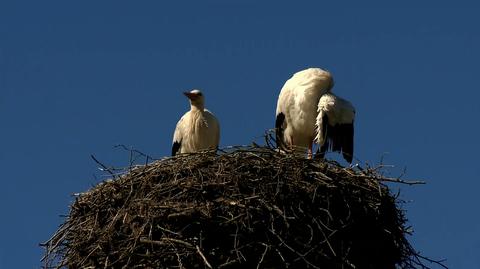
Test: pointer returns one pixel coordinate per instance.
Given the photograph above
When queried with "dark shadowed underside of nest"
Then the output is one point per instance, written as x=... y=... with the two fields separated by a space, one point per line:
x=246 y=208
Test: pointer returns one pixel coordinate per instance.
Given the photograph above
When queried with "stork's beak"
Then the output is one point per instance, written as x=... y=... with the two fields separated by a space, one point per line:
x=190 y=95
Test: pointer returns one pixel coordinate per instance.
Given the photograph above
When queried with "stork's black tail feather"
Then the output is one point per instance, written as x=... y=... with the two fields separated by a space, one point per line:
x=338 y=138
x=280 y=119
x=175 y=148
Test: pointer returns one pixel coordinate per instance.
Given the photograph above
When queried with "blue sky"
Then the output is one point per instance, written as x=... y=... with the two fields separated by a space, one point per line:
x=77 y=78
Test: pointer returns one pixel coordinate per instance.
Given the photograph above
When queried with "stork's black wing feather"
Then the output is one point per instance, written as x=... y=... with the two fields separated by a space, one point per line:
x=280 y=119
x=338 y=138
x=175 y=147
x=347 y=133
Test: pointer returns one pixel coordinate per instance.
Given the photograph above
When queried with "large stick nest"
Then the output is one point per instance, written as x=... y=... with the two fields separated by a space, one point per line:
x=246 y=208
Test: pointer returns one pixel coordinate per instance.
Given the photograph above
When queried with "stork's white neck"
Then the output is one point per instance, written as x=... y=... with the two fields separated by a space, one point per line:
x=197 y=107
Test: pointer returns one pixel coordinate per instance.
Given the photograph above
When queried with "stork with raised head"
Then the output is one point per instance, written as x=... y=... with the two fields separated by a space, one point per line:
x=299 y=107
x=198 y=129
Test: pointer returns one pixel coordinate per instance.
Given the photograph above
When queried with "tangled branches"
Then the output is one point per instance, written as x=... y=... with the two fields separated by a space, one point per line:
x=245 y=208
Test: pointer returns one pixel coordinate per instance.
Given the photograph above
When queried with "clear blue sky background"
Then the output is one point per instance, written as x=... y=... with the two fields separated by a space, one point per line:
x=77 y=78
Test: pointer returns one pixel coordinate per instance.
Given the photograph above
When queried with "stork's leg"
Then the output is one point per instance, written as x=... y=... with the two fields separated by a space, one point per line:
x=310 y=148
x=290 y=147
x=321 y=151
x=287 y=144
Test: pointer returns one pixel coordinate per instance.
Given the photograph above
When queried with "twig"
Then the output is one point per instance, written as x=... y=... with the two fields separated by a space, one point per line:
x=132 y=150
x=437 y=262
x=165 y=242
x=292 y=249
x=203 y=257
x=263 y=254
x=103 y=166
x=396 y=180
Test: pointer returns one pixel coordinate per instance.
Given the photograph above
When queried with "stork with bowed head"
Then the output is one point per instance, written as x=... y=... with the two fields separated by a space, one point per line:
x=308 y=112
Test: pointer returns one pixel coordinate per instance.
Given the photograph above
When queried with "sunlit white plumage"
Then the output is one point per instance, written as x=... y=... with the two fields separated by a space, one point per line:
x=297 y=108
x=198 y=129
x=299 y=105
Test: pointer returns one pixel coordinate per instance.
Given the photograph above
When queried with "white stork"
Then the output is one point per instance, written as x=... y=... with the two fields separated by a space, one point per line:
x=198 y=129
x=308 y=112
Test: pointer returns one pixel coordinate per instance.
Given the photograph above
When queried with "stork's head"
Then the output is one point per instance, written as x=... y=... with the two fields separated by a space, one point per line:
x=196 y=98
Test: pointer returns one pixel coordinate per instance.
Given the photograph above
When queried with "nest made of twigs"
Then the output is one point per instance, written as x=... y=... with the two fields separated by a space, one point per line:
x=249 y=207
